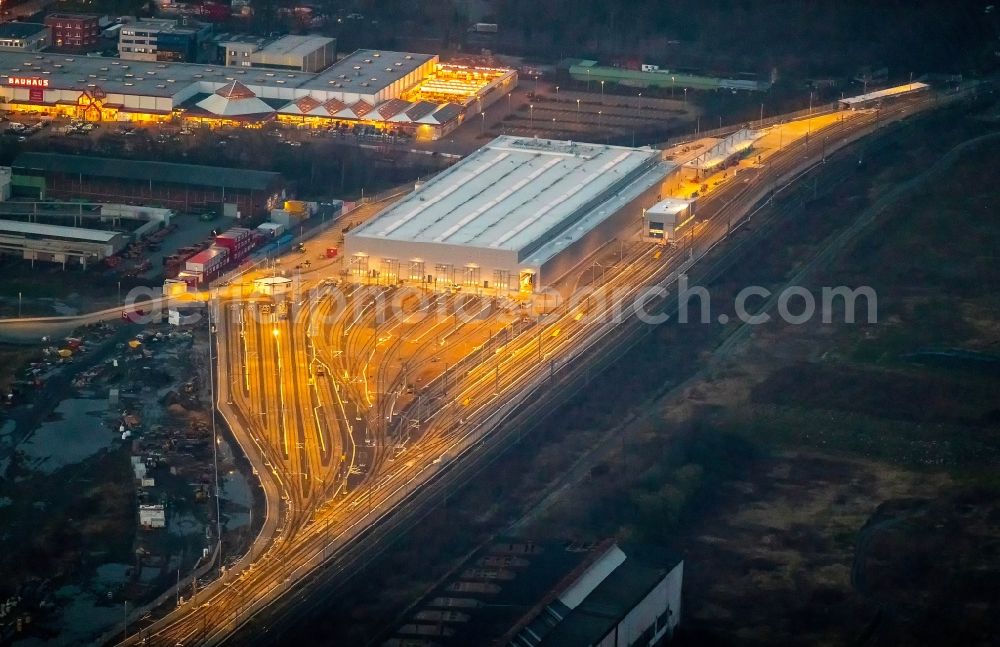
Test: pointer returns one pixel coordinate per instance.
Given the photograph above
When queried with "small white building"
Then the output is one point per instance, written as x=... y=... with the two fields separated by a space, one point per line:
x=662 y=221
x=152 y=516
x=272 y=285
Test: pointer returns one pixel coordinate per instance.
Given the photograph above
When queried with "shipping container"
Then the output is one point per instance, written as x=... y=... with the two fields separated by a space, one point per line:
x=208 y=261
x=271 y=229
x=296 y=207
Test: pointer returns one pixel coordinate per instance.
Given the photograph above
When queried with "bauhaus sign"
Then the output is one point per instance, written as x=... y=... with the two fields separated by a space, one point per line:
x=27 y=82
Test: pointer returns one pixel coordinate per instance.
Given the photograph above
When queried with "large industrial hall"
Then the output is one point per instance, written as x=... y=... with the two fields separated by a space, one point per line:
x=516 y=215
x=400 y=91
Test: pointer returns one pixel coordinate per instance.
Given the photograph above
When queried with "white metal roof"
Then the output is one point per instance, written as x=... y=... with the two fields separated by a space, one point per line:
x=57 y=231
x=513 y=194
x=234 y=105
x=295 y=45
x=883 y=94
x=585 y=584
x=724 y=149
x=669 y=206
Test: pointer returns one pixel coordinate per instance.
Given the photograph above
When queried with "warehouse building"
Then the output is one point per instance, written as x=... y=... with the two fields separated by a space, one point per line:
x=516 y=593
x=184 y=187
x=300 y=53
x=515 y=215
x=59 y=244
x=397 y=91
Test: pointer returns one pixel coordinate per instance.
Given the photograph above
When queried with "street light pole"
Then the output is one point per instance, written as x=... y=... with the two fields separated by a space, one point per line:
x=18 y=305
x=531 y=116
x=602 y=93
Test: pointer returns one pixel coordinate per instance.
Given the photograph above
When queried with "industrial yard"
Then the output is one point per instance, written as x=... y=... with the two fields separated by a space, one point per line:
x=118 y=438
x=493 y=323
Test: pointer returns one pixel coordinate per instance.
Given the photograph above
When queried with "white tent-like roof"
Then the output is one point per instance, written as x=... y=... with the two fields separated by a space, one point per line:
x=234 y=100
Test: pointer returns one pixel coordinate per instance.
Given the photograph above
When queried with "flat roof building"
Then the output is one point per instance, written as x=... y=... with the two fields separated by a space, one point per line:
x=517 y=593
x=74 y=31
x=58 y=243
x=178 y=186
x=517 y=214
x=663 y=220
x=346 y=93
x=370 y=76
x=158 y=39
x=301 y=53
x=24 y=36
x=619 y=601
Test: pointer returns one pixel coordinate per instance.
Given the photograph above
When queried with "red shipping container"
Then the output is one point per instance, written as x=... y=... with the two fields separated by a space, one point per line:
x=208 y=261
